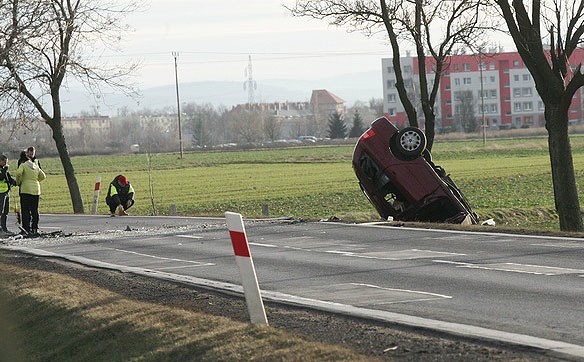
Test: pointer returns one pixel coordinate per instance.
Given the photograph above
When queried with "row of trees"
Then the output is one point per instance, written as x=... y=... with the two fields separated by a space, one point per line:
x=203 y=126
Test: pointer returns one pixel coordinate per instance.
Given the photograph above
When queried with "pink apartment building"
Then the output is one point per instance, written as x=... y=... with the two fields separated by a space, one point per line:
x=494 y=86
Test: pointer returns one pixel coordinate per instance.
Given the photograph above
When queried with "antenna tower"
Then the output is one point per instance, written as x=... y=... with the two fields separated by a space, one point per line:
x=250 y=85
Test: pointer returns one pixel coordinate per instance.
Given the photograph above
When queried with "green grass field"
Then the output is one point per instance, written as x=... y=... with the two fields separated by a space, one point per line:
x=509 y=180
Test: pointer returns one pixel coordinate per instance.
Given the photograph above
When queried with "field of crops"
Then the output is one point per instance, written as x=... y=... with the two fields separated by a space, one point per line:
x=509 y=180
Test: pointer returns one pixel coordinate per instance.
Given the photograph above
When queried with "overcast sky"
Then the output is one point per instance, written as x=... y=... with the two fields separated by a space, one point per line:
x=215 y=38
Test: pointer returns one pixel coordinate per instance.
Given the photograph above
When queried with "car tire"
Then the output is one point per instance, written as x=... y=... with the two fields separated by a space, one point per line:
x=409 y=143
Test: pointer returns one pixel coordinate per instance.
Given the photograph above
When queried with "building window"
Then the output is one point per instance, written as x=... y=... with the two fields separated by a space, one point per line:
x=516 y=77
x=456 y=67
x=467 y=80
x=456 y=81
x=407 y=69
x=527 y=106
x=492 y=78
x=391 y=111
x=540 y=106
x=493 y=93
x=517 y=107
x=408 y=83
x=466 y=67
x=492 y=66
x=391 y=98
x=516 y=92
x=482 y=66
x=391 y=83
x=494 y=108
x=516 y=64
x=526 y=92
x=390 y=70
x=526 y=77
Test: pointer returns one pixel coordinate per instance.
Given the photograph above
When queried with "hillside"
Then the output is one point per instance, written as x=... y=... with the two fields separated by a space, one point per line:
x=350 y=87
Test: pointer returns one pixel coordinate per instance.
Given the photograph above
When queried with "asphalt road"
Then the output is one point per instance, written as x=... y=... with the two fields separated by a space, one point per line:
x=523 y=289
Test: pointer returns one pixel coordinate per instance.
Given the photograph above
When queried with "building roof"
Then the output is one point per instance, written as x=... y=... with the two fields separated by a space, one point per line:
x=322 y=96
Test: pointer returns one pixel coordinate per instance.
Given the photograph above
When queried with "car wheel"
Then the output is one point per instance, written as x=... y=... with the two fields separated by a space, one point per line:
x=410 y=142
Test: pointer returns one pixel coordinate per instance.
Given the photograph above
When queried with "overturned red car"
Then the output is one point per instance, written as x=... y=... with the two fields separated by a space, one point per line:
x=396 y=173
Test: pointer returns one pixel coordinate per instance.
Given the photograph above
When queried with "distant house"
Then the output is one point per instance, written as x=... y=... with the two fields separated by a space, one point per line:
x=300 y=118
x=96 y=124
x=324 y=103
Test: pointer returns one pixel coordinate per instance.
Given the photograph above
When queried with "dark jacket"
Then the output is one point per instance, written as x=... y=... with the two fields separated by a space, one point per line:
x=6 y=179
x=119 y=194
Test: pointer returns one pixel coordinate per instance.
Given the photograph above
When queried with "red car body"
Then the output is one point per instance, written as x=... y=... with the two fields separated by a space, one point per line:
x=398 y=177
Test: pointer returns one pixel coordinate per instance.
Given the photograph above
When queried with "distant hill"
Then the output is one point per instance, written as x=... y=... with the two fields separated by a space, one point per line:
x=350 y=87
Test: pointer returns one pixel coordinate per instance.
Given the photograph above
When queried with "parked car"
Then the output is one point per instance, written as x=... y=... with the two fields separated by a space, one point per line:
x=310 y=139
x=397 y=175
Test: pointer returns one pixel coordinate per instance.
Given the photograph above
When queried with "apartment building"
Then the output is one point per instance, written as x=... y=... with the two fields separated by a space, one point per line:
x=493 y=87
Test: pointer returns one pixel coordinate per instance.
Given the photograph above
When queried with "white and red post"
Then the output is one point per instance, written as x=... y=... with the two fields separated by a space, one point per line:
x=251 y=288
x=96 y=195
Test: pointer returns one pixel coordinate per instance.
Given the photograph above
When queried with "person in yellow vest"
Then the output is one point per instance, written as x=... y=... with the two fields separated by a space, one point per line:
x=120 y=196
x=28 y=177
x=6 y=181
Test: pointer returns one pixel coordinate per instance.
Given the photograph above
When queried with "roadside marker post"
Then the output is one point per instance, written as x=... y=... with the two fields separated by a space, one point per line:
x=96 y=195
x=251 y=289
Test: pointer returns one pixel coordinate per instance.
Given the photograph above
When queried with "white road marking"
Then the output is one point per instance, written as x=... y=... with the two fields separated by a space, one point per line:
x=190 y=236
x=567 y=244
x=361 y=294
x=516 y=268
x=195 y=263
x=408 y=254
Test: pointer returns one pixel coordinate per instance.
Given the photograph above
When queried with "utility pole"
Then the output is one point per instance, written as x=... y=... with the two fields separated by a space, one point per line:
x=484 y=126
x=175 y=55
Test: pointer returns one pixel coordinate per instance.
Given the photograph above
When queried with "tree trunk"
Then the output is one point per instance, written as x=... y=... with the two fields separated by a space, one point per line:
x=563 y=177
x=59 y=138
x=430 y=127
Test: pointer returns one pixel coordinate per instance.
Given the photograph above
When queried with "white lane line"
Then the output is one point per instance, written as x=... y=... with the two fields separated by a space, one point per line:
x=182 y=267
x=430 y=296
x=190 y=236
x=362 y=294
x=516 y=268
x=567 y=244
x=195 y=263
x=408 y=254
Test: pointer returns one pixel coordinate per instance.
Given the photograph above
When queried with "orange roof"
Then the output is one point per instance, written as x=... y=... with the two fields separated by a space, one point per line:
x=324 y=97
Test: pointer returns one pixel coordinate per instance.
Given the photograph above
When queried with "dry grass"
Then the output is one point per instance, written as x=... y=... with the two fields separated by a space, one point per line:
x=52 y=317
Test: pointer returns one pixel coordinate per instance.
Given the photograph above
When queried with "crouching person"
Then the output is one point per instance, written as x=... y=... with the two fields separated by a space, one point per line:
x=120 y=196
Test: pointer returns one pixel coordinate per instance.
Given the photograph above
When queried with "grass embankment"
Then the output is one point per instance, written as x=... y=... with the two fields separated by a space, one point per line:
x=506 y=179
x=52 y=317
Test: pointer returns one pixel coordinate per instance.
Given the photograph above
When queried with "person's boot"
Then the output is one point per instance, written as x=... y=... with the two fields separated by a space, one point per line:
x=3 y=223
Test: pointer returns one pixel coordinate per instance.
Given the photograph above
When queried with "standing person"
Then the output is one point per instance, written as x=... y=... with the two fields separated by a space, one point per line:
x=120 y=196
x=6 y=181
x=28 y=177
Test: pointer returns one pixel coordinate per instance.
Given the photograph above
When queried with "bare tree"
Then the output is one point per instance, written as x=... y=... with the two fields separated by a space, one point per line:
x=44 y=44
x=547 y=35
x=464 y=111
x=272 y=127
x=434 y=27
